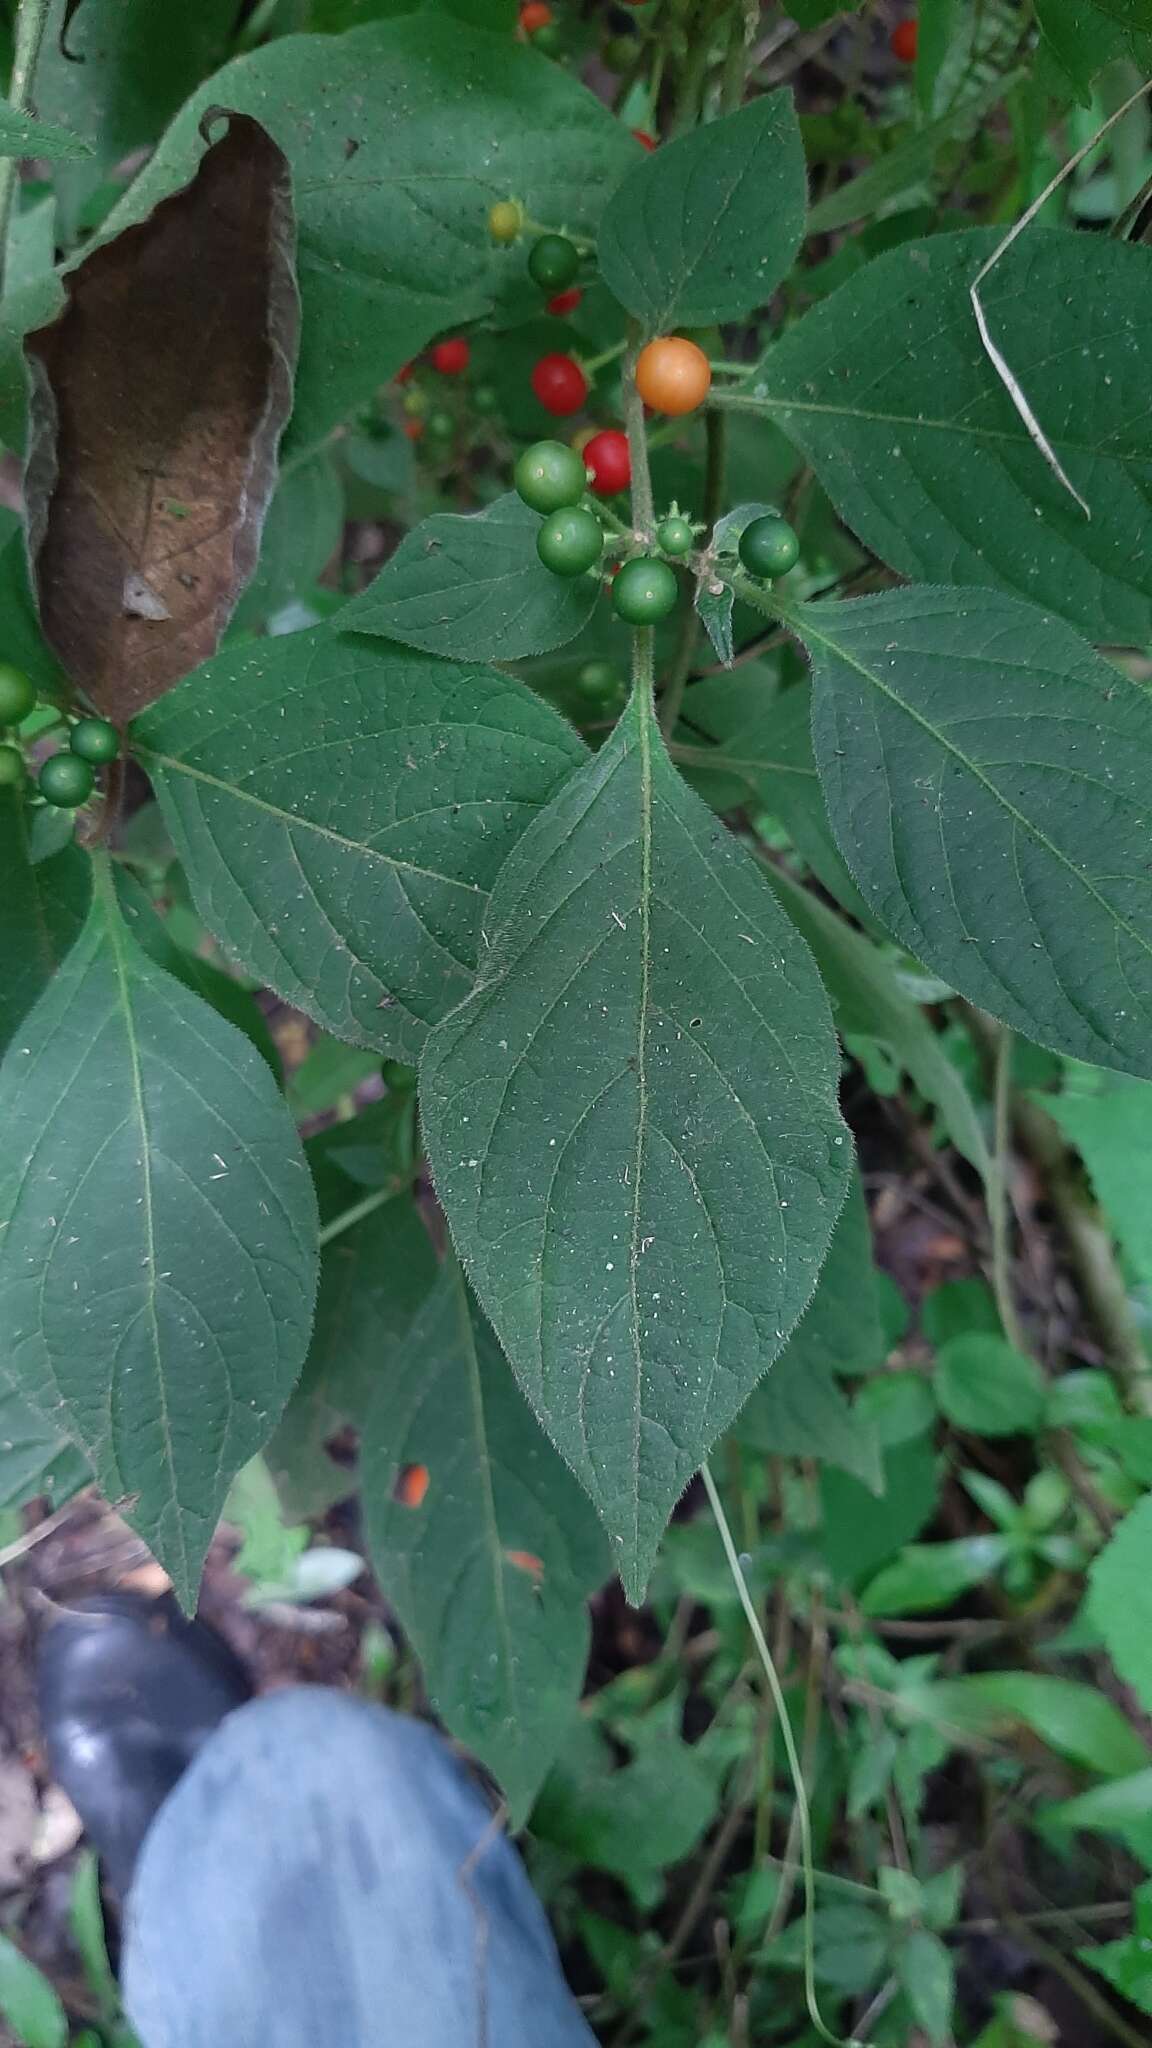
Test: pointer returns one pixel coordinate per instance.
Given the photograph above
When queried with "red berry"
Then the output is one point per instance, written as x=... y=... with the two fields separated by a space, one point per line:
x=402 y=375
x=533 y=15
x=903 y=41
x=565 y=302
x=608 y=462
x=414 y=429
x=451 y=357
x=559 y=384
x=646 y=141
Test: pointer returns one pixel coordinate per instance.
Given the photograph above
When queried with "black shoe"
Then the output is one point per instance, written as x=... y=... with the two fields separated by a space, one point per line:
x=129 y=1690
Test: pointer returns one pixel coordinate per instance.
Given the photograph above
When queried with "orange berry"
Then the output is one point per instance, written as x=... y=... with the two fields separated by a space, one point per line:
x=673 y=375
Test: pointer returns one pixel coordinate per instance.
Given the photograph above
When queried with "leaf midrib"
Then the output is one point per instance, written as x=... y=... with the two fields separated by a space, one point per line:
x=644 y=714
x=106 y=889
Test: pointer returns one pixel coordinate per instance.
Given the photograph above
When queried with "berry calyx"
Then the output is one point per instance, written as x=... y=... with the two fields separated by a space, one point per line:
x=17 y=694
x=65 y=781
x=95 y=740
x=565 y=302
x=451 y=357
x=553 y=262
x=11 y=767
x=644 y=591
x=675 y=535
x=904 y=39
x=645 y=140
x=673 y=375
x=608 y=461
x=505 y=220
x=535 y=14
x=769 y=546
x=570 y=541
x=549 y=476
x=598 y=679
x=559 y=384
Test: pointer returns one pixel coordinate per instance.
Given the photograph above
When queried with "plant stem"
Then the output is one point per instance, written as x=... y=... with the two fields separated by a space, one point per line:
x=1089 y=1245
x=31 y=22
x=355 y=1214
x=999 y=1211
x=643 y=510
x=802 y=1810
x=716 y=429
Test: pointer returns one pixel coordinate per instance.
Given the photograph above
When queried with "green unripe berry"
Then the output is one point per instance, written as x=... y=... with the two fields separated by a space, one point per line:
x=440 y=425
x=17 y=694
x=598 y=679
x=485 y=399
x=570 y=541
x=505 y=220
x=553 y=263
x=769 y=547
x=95 y=740
x=618 y=52
x=66 y=781
x=547 y=40
x=415 y=403
x=644 y=590
x=675 y=536
x=11 y=768
x=550 y=475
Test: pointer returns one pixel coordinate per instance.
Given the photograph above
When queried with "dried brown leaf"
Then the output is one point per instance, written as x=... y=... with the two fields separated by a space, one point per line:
x=158 y=400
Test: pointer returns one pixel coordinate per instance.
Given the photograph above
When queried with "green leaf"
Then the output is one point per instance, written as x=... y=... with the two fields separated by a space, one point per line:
x=1112 y=1131
x=1127 y=1964
x=633 y=1129
x=766 y=741
x=115 y=74
x=393 y=227
x=20 y=135
x=892 y=397
x=27 y=2001
x=42 y=908
x=868 y=999
x=302 y=530
x=342 y=807
x=1120 y=1599
x=924 y=1968
x=714 y=606
x=905 y=171
x=708 y=226
x=928 y=1576
x=373 y=1279
x=158 y=1267
x=1074 y=1719
x=475 y=588
x=490 y=1570
x=28 y=1444
x=987 y=776
x=270 y=1548
x=862 y=1530
x=1121 y=1807
x=798 y=1411
x=983 y=1385
x=636 y=1820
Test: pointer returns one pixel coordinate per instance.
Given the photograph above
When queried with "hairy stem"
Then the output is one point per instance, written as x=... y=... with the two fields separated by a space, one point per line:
x=999 y=1206
x=31 y=22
